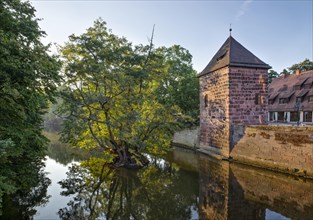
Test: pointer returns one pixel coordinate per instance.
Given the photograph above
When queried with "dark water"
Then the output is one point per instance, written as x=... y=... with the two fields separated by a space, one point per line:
x=184 y=185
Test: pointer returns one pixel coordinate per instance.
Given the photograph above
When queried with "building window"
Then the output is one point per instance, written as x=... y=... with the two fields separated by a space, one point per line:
x=283 y=100
x=307 y=86
x=256 y=99
x=272 y=116
x=281 y=116
x=299 y=99
x=307 y=116
x=297 y=87
x=294 y=116
x=271 y=101
x=311 y=98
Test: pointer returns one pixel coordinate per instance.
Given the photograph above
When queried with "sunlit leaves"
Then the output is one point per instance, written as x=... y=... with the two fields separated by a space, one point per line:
x=305 y=65
x=110 y=99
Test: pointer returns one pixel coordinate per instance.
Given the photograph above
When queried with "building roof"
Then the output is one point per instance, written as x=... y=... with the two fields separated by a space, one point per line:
x=302 y=92
x=287 y=94
x=233 y=54
x=291 y=87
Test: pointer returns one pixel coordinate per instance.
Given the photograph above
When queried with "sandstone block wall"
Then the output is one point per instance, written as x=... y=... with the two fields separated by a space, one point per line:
x=248 y=96
x=230 y=96
x=214 y=117
x=285 y=148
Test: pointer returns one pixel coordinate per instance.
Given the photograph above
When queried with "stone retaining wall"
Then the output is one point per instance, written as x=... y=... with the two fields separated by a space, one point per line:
x=187 y=138
x=288 y=149
x=283 y=148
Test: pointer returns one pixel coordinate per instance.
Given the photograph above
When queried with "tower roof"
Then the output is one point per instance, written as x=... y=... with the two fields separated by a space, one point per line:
x=233 y=54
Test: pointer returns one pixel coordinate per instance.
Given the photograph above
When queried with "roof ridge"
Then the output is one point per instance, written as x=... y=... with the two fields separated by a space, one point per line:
x=229 y=53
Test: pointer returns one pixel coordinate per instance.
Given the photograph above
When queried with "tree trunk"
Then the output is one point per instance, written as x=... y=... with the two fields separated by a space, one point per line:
x=127 y=160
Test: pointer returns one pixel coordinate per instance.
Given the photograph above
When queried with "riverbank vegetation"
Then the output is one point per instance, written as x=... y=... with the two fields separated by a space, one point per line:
x=29 y=77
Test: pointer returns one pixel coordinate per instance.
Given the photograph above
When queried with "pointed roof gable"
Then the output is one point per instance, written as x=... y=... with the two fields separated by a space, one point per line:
x=233 y=53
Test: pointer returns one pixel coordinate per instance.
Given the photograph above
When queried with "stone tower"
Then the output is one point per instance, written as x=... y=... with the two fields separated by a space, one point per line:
x=233 y=94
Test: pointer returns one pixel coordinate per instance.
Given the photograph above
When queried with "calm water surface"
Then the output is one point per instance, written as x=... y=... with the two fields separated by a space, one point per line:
x=184 y=185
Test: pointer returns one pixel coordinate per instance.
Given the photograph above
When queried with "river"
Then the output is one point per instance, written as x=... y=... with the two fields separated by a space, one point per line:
x=181 y=185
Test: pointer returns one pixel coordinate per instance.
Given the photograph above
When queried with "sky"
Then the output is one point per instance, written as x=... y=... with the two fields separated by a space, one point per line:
x=278 y=32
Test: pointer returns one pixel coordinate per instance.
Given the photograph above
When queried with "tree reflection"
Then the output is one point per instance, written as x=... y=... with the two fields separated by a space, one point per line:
x=63 y=153
x=29 y=183
x=160 y=191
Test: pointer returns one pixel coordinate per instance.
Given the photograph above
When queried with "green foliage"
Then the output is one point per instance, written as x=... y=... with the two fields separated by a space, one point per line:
x=285 y=72
x=52 y=121
x=28 y=79
x=28 y=76
x=302 y=66
x=305 y=65
x=111 y=94
x=23 y=187
x=180 y=86
x=272 y=74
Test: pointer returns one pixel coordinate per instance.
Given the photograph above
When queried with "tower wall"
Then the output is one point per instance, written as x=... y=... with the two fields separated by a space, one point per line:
x=230 y=98
x=214 y=114
x=248 y=96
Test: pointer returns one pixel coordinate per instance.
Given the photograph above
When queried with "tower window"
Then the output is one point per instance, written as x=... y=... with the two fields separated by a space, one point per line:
x=206 y=101
x=259 y=99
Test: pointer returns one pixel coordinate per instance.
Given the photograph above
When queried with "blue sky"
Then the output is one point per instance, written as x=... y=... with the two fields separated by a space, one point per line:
x=278 y=32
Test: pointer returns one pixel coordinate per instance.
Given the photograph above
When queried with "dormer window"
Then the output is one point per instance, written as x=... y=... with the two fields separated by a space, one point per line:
x=221 y=57
x=307 y=86
x=297 y=87
x=299 y=99
x=283 y=100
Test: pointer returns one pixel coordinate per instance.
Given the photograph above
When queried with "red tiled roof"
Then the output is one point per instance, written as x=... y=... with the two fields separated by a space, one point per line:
x=301 y=81
x=284 y=86
x=287 y=94
x=272 y=96
x=302 y=92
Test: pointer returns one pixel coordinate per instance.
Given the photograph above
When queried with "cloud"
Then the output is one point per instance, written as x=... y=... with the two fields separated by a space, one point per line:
x=243 y=9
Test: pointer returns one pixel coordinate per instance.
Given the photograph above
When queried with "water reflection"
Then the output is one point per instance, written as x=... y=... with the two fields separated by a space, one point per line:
x=287 y=195
x=60 y=152
x=232 y=191
x=184 y=185
x=161 y=191
x=32 y=184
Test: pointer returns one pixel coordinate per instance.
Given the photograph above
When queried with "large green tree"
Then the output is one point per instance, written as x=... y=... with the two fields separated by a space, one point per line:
x=180 y=86
x=28 y=79
x=110 y=100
